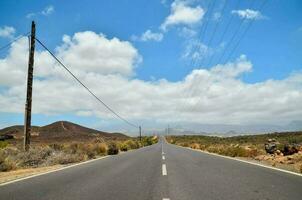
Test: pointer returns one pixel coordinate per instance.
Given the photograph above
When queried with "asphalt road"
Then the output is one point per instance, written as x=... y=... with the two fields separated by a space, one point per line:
x=161 y=171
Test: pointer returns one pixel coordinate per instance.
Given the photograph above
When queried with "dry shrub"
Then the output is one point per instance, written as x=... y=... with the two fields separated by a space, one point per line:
x=132 y=144
x=252 y=153
x=195 y=146
x=3 y=144
x=56 y=146
x=124 y=147
x=112 y=149
x=5 y=163
x=34 y=157
x=101 y=149
x=233 y=151
x=87 y=149
x=184 y=144
x=72 y=148
x=13 y=158
x=202 y=147
x=90 y=150
x=214 y=149
x=63 y=158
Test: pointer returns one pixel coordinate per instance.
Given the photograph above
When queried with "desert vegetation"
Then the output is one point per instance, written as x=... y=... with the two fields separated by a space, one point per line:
x=276 y=149
x=12 y=156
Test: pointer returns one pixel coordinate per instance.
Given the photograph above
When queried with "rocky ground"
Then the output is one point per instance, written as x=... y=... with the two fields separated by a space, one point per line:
x=281 y=150
x=289 y=162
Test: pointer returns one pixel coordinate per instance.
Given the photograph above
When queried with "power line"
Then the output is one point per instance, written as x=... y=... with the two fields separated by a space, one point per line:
x=225 y=31
x=245 y=31
x=234 y=36
x=11 y=42
x=217 y=23
x=241 y=37
x=77 y=79
x=202 y=32
x=211 y=39
x=200 y=37
x=194 y=89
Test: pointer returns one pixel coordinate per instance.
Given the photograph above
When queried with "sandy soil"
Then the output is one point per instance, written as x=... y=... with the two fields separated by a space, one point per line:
x=21 y=173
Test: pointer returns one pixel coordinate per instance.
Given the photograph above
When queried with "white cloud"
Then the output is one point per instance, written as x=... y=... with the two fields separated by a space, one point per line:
x=187 y=32
x=163 y=2
x=215 y=95
x=148 y=36
x=46 y=11
x=182 y=13
x=91 y=52
x=196 y=50
x=7 y=32
x=248 y=14
x=216 y=16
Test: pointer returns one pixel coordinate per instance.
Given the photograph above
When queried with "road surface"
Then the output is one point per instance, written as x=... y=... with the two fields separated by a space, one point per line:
x=159 y=172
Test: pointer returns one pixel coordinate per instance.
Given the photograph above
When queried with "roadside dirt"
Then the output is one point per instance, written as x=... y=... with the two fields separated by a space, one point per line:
x=21 y=173
x=291 y=163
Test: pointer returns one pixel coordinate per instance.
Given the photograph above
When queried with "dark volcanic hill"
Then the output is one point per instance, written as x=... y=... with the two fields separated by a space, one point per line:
x=61 y=131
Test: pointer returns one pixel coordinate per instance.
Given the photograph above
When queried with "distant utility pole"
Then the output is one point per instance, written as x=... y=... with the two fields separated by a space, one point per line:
x=140 y=133
x=27 y=120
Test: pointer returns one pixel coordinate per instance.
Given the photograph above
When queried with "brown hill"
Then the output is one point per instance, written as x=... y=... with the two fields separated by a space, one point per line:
x=61 y=131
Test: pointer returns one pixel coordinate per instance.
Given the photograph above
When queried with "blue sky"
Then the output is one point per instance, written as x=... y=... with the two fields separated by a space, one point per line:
x=273 y=44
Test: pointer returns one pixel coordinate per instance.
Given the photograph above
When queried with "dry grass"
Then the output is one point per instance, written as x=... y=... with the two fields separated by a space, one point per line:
x=40 y=155
x=237 y=146
x=248 y=147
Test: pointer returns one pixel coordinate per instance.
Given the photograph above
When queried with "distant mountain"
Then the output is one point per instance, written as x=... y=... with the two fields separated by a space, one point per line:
x=232 y=129
x=61 y=131
x=295 y=125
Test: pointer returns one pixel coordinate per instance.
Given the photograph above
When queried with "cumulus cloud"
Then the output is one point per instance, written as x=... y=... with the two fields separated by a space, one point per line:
x=148 y=36
x=196 y=50
x=7 y=32
x=214 y=95
x=91 y=52
x=46 y=11
x=248 y=14
x=182 y=13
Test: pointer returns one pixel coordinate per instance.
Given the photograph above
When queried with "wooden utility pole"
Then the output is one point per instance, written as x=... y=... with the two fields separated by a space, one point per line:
x=140 y=133
x=27 y=120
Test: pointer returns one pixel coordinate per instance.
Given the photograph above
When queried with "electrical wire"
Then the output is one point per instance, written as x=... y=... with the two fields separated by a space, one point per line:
x=86 y=87
x=11 y=42
x=245 y=31
x=234 y=35
x=225 y=31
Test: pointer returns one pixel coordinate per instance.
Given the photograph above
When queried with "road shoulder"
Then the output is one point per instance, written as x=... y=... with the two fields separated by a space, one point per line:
x=242 y=160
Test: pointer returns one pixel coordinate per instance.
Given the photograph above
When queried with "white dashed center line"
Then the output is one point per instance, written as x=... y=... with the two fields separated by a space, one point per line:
x=163 y=157
x=166 y=199
x=164 y=170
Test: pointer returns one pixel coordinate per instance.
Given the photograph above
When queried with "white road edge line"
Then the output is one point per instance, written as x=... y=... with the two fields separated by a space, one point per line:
x=163 y=157
x=244 y=161
x=164 y=170
x=55 y=170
